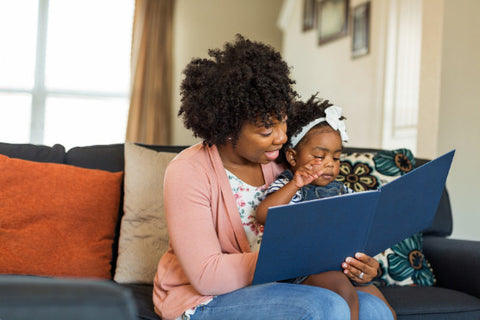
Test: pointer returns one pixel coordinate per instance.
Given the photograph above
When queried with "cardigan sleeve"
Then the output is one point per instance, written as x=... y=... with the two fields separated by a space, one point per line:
x=197 y=223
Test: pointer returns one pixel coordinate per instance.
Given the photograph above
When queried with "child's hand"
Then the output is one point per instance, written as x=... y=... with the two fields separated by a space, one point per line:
x=308 y=173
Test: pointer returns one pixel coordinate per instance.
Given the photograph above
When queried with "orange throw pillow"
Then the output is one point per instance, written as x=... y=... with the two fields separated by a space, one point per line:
x=57 y=219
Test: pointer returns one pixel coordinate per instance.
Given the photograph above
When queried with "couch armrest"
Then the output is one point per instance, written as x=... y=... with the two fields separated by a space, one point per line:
x=455 y=263
x=41 y=298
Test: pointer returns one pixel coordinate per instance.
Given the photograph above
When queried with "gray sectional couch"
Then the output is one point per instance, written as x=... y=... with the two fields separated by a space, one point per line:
x=456 y=263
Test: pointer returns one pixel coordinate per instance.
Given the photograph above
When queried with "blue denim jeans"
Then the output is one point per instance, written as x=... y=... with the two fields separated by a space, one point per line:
x=288 y=301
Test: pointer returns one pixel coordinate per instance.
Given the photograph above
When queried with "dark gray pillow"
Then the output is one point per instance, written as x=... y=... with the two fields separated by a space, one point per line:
x=109 y=157
x=39 y=153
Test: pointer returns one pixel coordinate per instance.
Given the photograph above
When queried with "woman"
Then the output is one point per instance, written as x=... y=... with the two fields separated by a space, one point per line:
x=236 y=102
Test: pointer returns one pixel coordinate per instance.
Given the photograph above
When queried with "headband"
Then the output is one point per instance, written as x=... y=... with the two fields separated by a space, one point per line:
x=333 y=115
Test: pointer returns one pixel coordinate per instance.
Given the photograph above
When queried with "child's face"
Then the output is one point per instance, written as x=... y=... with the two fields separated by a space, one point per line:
x=323 y=143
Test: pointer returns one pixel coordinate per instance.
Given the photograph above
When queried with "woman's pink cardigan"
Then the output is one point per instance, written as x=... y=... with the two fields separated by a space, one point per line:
x=209 y=253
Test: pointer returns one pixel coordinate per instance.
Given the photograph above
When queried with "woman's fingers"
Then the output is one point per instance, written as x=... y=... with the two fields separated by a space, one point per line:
x=361 y=269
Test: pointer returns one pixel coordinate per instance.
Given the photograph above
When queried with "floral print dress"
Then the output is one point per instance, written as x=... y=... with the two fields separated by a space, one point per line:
x=248 y=198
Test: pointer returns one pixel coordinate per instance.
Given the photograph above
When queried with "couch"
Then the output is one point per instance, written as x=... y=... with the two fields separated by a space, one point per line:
x=455 y=294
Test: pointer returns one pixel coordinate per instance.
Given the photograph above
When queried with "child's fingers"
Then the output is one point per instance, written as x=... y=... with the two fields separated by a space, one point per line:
x=314 y=165
x=317 y=169
x=302 y=178
x=307 y=176
x=312 y=173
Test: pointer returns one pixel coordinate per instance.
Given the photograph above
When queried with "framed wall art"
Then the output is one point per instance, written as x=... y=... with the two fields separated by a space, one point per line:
x=361 y=30
x=308 y=22
x=331 y=19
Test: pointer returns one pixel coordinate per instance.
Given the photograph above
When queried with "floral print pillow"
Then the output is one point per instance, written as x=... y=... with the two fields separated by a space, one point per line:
x=403 y=264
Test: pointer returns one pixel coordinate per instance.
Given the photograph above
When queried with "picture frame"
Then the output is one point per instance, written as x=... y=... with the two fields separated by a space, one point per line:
x=361 y=30
x=308 y=22
x=331 y=19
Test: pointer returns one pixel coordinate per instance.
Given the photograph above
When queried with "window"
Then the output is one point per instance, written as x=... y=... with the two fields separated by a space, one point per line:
x=65 y=71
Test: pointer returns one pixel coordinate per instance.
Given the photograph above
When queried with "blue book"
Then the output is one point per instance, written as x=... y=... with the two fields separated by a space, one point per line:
x=316 y=236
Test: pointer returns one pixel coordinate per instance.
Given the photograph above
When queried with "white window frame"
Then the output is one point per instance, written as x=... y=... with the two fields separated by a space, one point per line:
x=402 y=74
x=39 y=92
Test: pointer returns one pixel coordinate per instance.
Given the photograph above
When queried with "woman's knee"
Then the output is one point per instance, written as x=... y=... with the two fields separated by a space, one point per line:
x=372 y=307
x=319 y=303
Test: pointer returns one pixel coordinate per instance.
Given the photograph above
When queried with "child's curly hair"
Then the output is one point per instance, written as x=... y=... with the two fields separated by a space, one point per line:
x=245 y=81
x=300 y=115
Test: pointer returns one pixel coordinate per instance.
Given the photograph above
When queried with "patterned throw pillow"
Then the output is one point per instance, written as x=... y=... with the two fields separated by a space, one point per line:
x=404 y=263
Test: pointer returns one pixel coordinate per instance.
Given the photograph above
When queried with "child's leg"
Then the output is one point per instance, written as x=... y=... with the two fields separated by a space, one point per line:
x=376 y=292
x=338 y=283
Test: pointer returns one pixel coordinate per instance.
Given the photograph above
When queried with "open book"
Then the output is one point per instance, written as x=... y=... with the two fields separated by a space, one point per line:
x=316 y=236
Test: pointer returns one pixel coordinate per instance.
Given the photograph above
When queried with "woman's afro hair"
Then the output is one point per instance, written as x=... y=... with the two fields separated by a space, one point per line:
x=246 y=81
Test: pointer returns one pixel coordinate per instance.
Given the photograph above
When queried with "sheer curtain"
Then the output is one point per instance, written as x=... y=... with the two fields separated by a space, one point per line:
x=150 y=105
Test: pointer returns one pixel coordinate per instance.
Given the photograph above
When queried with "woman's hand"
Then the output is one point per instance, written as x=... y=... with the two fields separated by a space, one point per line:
x=361 y=269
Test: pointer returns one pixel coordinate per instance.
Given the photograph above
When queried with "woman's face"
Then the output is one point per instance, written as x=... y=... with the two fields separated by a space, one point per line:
x=258 y=143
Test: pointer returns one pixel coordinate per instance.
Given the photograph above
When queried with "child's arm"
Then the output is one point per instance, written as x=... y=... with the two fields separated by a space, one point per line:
x=302 y=176
x=279 y=197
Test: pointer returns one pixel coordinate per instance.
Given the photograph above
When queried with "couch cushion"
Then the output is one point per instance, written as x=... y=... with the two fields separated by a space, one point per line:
x=33 y=152
x=443 y=223
x=410 y=303
x=143 y=232
x=142 y=294
x=431 y=303
x=107 y=157
x=56 y=219
x=404 y=263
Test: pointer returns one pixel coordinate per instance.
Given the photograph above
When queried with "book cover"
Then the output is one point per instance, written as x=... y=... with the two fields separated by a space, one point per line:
x=316 y=236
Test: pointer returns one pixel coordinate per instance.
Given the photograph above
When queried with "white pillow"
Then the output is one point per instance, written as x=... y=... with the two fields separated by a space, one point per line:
x=143 y=232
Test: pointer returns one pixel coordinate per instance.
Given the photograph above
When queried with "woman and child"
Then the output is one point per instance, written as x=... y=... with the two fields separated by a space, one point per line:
x=238 y=102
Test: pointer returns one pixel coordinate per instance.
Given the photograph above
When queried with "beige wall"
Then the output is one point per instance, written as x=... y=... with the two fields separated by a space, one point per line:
x=205 y=24
x=449 y=99
x=459 y=117
x=430 y=75
x=330 y=71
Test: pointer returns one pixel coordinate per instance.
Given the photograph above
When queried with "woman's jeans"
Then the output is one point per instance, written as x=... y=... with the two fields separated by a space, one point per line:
x=288 y=302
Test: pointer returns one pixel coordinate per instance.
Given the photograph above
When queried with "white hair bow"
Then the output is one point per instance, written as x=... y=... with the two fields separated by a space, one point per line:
x=332 y=117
